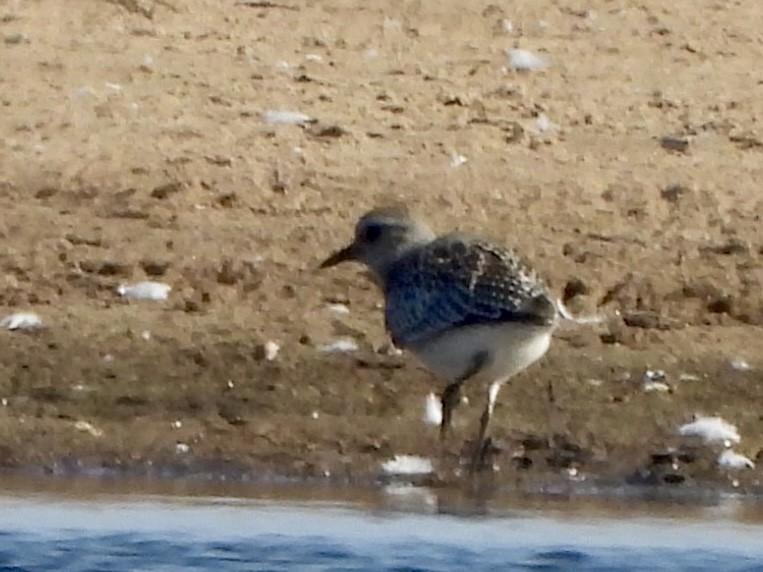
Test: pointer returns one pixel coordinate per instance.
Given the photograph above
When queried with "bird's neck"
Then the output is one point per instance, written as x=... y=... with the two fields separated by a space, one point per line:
x=384 y=267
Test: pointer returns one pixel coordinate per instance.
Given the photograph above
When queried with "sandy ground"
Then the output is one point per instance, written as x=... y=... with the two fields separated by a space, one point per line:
x=134 y=146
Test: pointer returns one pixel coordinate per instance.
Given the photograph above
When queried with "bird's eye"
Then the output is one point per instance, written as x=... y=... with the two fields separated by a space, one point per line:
x=372 y=233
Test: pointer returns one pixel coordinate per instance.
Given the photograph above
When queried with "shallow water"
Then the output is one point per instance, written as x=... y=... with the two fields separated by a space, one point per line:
x=105 y=531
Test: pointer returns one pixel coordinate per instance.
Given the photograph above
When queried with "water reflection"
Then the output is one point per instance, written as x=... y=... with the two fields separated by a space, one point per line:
x=96 y=525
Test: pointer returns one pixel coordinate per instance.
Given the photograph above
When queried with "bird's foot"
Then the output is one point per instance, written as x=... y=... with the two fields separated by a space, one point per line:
x=483 y=455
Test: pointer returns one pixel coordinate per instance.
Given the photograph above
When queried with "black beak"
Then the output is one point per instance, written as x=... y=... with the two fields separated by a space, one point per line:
x=340 y=256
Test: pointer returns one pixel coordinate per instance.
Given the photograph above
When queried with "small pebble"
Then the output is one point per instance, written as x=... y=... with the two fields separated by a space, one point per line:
x=182 y=448
x=177 y=424
x=147 y=65
x=678 y=144
x=13 y=39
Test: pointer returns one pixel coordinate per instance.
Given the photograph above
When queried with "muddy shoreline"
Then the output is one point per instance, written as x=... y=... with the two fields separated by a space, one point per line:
x=141 y=144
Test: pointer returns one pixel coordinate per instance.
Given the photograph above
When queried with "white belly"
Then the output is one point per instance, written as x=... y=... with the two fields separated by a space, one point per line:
x=509 y=347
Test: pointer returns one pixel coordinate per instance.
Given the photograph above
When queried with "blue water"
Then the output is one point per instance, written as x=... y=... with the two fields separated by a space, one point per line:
x=163 y=534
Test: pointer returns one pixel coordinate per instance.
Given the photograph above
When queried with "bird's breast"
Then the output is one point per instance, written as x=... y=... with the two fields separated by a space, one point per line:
x=502 y=350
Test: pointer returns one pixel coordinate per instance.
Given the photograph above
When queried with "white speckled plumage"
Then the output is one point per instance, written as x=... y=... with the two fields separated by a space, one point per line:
x=466 y=308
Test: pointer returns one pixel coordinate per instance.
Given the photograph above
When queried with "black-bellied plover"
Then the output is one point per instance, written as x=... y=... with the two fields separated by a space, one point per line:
x=466 y=308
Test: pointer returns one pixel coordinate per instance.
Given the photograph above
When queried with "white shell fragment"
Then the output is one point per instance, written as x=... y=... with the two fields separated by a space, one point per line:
x=182 y=448
x=654 y=375
x=389 y=349
x=525 y=60
x=711 y=430
x=86 y=427
x=432 y=410
x=457 y=160
x=654 y=381
x=732 y=460
x=339 y=309
x=21 y=321
x=407 y=465
x=145 y=290
x=270 y=350
x=280 y=117
x=340 y=345
x=656 y=386
x=147 y=65
x=739 y=364
x=267 y=351
x=113 y=87
x=543 y=123
x=583 y=320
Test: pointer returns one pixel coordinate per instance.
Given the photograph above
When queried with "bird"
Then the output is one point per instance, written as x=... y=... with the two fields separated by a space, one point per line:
x=469 y=310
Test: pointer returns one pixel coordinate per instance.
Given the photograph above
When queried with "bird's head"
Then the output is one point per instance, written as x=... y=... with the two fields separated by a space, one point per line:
x=382 y=236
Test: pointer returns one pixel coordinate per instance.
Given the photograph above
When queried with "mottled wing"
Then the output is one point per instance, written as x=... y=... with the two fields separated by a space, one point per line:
x=457 y=281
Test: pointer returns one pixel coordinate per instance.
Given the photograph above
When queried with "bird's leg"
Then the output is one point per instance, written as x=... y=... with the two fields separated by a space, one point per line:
x=482 y=444
x=450 y=398
x=452 y=394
